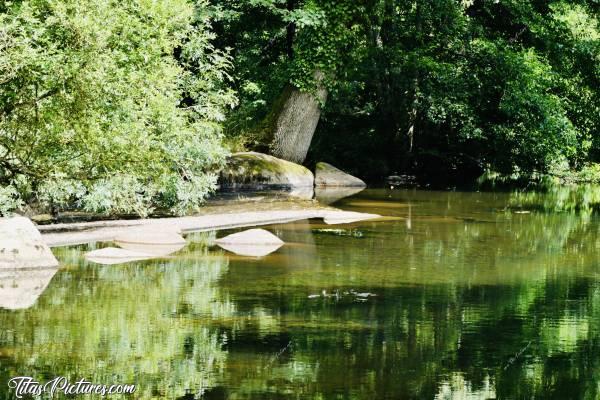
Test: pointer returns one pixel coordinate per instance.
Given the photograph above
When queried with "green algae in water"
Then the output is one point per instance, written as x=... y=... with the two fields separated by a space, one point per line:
x=464 y=302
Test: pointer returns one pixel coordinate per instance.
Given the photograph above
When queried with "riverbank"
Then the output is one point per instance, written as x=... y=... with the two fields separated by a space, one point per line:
x=216 y=217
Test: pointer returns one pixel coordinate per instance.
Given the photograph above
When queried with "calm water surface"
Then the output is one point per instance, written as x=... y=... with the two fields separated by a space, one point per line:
x=459 y=296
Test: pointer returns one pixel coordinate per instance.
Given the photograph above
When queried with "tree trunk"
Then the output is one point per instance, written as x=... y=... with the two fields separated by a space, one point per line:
x=294 y=120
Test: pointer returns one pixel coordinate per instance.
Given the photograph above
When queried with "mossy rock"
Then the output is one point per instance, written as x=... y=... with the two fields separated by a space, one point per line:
x=257 y=171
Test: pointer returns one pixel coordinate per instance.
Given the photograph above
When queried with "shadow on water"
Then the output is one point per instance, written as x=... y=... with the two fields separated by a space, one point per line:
x=459 y=295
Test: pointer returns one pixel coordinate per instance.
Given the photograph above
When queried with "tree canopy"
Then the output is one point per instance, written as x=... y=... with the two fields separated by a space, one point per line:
x=427 y=86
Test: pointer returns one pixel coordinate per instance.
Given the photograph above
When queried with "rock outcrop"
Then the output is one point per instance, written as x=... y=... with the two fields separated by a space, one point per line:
x=22 y=246
x=257 y=171
x=327 y=175
x=251 y=243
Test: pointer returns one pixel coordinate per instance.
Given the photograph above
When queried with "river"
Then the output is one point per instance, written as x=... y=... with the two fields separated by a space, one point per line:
x=458 y=295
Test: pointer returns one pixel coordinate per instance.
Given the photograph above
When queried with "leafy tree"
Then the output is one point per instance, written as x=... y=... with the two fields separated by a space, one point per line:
x=96 y=109
x=288 y=55
x=449 y=86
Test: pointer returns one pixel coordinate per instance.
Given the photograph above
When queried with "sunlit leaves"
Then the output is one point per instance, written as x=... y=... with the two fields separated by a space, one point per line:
x=95 y=91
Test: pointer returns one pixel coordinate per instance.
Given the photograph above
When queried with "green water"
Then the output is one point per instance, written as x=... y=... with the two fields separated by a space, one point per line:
x=460 y=296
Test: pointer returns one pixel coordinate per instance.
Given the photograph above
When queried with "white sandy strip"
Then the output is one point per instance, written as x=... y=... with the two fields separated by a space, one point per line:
x=105 y=231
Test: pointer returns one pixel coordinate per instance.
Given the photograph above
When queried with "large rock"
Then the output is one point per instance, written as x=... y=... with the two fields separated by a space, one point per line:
x=328 y=175
x=22 y=246
x=257 y=171
x=251 y=243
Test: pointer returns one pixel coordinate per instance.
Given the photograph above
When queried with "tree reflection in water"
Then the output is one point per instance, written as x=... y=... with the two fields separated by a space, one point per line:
x=134 y=323
x=474 y=299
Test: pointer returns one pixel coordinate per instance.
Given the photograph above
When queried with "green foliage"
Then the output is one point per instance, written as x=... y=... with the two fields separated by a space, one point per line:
x=9 y=200
x=114 y=105
x=278 y=44
x=427 y=86
x=120 y=106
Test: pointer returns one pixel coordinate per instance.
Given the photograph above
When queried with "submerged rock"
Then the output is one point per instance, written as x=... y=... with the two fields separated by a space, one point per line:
x=251 y=243
x=151 y=241
x=328 y=175
x=347 y=217
x=113 y=255
x=257 y=171
x=20 y=288
x=138 y=245
x=22 y=246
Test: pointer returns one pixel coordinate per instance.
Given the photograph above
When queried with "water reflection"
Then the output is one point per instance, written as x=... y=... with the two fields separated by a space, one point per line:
x=20 y=288
x=472 y=300
x=136 y=323
x=583 y=199
x=330 y=195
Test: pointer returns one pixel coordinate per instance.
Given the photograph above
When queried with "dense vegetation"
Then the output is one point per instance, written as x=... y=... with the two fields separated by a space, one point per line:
x=428 y=86
x=113 y=105
x=120 y=106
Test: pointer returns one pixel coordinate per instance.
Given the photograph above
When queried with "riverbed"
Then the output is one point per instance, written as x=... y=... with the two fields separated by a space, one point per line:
x=459 y=295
